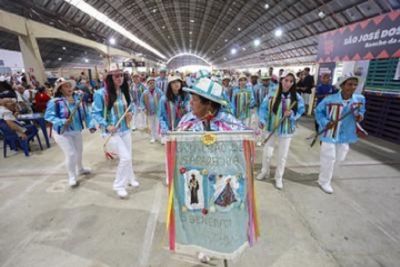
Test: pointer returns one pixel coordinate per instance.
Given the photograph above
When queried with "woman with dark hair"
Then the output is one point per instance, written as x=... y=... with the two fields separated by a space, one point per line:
x=277 y=110
x=68 y=122
x=207 y=109
x=110 y=103
x=173 y=105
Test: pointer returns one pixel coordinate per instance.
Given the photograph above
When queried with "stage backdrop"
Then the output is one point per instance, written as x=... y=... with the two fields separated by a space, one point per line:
x=378 y=37
x=211 y=192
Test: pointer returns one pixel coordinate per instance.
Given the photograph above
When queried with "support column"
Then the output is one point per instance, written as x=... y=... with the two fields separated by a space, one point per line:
x=31 y=56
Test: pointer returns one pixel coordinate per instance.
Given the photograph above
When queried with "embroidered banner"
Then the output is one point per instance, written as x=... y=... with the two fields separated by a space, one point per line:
x=212 y=201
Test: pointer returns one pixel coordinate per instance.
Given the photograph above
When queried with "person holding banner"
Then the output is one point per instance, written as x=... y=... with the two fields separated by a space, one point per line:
x=68 y=113
x=243 y=101
x=207 y=109
x=173 y=106
x=136 y=91
x=150 y=104
x=279 y=112
x=338 y=129
x=109 y=106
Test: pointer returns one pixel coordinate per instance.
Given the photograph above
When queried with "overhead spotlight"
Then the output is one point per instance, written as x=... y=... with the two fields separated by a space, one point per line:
x=86 y=60
x=112 y=41
x=278 y=32
x=321 y=14
x=154 y=10
x=257 y=42
x=192 y=21
x=226 y=40
x=190 y=32
x=266 y=6
x=225 y=58
x=59 y=59
x=233 y=51
x=244 y=48
x=64 y=48
x=163 y=27
x=239 y=29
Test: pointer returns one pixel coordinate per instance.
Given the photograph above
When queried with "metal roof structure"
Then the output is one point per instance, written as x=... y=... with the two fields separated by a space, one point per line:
x=209 y=29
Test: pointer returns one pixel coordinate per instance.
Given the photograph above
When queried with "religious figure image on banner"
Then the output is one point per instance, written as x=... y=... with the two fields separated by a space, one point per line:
x=227 y=192
x=194 y=196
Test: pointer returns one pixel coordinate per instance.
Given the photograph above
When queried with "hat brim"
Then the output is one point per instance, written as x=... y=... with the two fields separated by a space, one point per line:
x=174 y=80
x=71 y=82
x=341 y=82
x=197 y=91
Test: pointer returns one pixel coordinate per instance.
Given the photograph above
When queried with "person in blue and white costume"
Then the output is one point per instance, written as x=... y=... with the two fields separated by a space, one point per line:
x=136 y=91
x=207 y=113
x=339 y=134
x=272 y=110
x=173 y=106
x=162 y=80
x=242 y=101
x=67 y=129
x=110 y=103
x=150 y=104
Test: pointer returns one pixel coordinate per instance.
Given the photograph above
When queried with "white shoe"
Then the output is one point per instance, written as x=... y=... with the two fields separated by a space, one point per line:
x=152 y=141
x=259 y=143
x=278 y=184
x=73 y=183
x=262 y=175
x=85 y=171
x=122 y=193
x=203 y=257
x=327 y=188
x=134 y=183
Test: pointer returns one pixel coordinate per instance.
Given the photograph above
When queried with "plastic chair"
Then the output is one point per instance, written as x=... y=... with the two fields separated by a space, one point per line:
x=12 y=140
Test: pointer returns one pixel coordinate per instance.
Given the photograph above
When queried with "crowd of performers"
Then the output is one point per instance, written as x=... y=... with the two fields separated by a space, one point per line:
x=268 y=105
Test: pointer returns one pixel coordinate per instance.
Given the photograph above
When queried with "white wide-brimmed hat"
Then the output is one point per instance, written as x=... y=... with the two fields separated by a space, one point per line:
x=173 y=78
x=209 y=89
x=344 y=78
x=60 y=81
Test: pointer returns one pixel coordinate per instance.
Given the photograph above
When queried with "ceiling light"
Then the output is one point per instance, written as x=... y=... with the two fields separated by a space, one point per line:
x=244 y=48
x=59 y=59
x=321 y=14
x=64 y=48
x=91 y=11
x=266 y=6
x=86 y=60
x=112 y=41
x=163 y=27
x=257 y=42
x=278 y=32
x=190 y=32
x=233 y=51
x=224 y=58
x=239 y=29
x=226 y=40
x=192 y=21
x=154 y=10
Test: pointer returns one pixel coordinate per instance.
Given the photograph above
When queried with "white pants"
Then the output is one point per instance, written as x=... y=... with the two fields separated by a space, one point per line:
x=268 y=152
x=331 y=156
x=71 y=144
x=152 y=123
x=122 y=143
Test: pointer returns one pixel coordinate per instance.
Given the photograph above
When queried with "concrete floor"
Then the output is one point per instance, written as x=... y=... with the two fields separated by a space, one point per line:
x=44 y=223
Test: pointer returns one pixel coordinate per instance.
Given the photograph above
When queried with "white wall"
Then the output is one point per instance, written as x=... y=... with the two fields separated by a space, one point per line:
x=12 y=59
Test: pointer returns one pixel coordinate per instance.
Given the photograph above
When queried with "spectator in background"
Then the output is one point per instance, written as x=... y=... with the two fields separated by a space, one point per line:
x=6 y=89
x=280 y=73
x=23 y=104
x=305 y=85
x=41 y=99
x=30 y=93
x=49 y=89
x=324 y=89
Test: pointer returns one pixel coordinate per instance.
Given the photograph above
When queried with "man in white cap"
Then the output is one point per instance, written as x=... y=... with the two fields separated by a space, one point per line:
x=340 y=130
x=162 y=80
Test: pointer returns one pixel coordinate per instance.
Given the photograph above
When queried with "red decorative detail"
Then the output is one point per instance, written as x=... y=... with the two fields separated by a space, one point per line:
x=369 y=55
x=204 y=211
x=182 y=170
x=383 y=54
x=341 y=30
x=352 y=27
x=328 y=59
x=397 y=54
x=364 y=23
x=393 y=15
x=377 y=20
x=321 y=60
x=336 y=59
x=345 y=58
x=356 y=57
